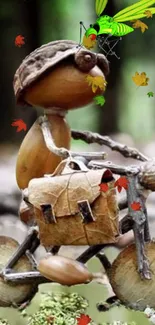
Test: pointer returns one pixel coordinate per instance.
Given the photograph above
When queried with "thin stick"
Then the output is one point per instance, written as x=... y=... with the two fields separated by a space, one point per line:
x=91 y=137
x=62 y=152
x=22 y=249
x=139 y=219
x=89 y=253
x=116 y=169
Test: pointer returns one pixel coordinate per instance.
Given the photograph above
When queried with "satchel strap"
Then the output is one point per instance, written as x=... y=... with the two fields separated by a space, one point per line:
x=68 y=166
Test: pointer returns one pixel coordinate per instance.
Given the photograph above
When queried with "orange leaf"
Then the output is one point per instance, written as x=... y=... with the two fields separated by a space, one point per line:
x=122 y=182
x=21 y=125
x=140 y=24
x=136 y=206
x=148 y=14
x=83 y=320
x=104 y=187
x=140 y=79
x=19 y=40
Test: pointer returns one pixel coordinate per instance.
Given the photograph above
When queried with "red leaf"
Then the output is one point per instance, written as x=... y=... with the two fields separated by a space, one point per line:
x=107 y=174
x=19 y=40
x=50 y=319
x=21 y=125
x=104 y=187
x=136 y=206
x=119 y=188
x=122 y=182
x=83 y=319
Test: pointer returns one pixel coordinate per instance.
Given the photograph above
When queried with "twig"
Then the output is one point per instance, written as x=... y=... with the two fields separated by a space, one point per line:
x=91 y=137
x=104 y=261
x=116 y=169
x=62 y=152
x=139 y=219
x=89 y=253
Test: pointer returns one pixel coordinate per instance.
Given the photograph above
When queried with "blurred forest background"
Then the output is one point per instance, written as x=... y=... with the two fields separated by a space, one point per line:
x=128 y=108
x=128 y=114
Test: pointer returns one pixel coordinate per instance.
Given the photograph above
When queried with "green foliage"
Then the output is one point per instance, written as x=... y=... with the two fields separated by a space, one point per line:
x=59 y=309
x=150 y=94
x=100 y=100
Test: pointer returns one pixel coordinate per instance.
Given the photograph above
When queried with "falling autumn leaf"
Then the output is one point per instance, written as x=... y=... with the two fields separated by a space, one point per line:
x=150 y=94
x=50 y=319
x=148 y=14
x=104 y=187
x=140 y=79
x=88 y=42
x=19 y=40
x=107 y=176
x=100 y=100
x=96 y=82
x=122 y=182
x=135 y=206
x=83 y=319
x=21 y=125
x=140 y=24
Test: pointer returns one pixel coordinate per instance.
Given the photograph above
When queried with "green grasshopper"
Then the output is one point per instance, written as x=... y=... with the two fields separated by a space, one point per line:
x=113 y=26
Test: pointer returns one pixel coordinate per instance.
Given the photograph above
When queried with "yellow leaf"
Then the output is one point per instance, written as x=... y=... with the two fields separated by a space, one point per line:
x=148 y=14
x=88 y=42
x=140 y=79
x=140 y=24
x=89 y=79
x=94 y=88
x=96 y=82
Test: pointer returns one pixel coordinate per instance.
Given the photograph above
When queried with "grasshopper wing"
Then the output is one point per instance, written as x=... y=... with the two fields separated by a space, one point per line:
x=100 y=6
x=135 y=11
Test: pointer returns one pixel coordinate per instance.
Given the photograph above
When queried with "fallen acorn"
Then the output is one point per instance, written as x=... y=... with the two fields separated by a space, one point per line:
x=63 y=270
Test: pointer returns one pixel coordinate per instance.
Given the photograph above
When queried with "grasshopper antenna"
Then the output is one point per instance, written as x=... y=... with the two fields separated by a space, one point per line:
x=81 y=25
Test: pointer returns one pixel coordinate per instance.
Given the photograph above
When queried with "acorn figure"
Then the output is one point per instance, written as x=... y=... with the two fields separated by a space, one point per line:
x=53 y=77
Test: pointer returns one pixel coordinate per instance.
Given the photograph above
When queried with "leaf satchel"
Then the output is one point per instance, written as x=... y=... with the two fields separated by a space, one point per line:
x=70 y=208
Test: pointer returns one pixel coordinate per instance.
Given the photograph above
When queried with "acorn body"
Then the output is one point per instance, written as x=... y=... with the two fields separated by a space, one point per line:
x=65 y=87
x=55 y=75
x=64 y=270
x=34 y=158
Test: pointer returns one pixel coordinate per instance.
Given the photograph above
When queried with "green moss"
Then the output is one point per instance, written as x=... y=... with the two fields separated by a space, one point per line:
x=59 y=309
x=3 y=322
